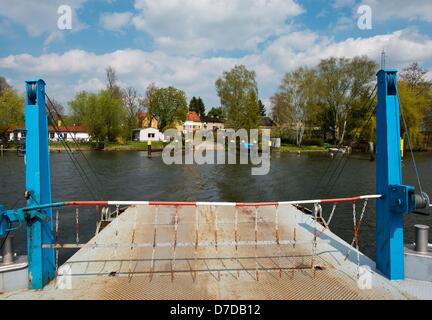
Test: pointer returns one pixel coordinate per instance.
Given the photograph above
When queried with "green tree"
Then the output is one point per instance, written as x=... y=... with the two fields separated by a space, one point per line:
x=343 y=85
x=262 y=108
x=238 y=93
x=197 y=105
x=113 y=115
x=3 y=84
x=281 y=113
x=295 y=102
x=11 y=111
x=149 y=94
x=168 y=106
x=216 y=112
x=416 y=104
x=101 y=113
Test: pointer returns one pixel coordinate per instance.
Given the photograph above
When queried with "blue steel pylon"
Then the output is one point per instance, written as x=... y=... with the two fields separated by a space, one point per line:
x=397 y=199
x=38 y=187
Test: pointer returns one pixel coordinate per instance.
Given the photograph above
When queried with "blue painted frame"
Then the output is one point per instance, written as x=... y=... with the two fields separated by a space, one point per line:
x=38 y=186
x=396 y=199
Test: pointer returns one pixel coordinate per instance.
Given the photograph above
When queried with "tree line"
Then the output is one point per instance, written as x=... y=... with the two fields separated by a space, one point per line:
x=112 y=113
x=335 y=103
x=330 y=103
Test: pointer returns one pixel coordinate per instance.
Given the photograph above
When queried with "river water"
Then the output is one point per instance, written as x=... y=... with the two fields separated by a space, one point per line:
x=132 y=176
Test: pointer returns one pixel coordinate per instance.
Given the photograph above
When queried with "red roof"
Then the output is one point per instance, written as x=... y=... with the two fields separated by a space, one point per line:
x=142 y=115
x=68 y=129
x=14 y=128
x=193 y=116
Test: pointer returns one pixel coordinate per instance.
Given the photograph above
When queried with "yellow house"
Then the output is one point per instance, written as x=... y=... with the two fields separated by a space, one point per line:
x=145 y=121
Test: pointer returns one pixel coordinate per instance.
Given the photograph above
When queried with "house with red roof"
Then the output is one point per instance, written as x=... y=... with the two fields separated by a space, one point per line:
x=59 y=133
x=193 y=122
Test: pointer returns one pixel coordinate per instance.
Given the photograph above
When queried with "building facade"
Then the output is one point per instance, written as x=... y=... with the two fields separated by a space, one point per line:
x=61 y=133
x=148 y=134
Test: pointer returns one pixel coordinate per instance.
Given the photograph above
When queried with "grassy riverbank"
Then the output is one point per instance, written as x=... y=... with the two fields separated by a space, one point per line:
x=127 y=146
x=294 y=148
x=142 y=146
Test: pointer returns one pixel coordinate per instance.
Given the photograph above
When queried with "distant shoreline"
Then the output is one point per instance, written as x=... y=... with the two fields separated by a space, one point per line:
x=158 y=147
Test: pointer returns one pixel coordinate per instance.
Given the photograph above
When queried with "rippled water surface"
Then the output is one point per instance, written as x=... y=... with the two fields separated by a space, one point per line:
x=132 y=176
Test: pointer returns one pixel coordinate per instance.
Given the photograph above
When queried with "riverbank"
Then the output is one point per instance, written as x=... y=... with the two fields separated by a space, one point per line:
x=128 y=146
x=156 y=146
x=296 y=149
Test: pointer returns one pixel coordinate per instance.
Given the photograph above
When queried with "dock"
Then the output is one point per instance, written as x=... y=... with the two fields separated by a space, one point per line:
x=154 y=252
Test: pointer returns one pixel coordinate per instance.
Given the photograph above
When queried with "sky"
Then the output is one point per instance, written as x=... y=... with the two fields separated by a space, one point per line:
x=190 y=43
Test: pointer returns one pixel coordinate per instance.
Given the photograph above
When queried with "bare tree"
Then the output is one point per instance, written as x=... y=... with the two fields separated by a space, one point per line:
x=293 y=102
x=415 y=76
x=132 y=104
x=149 y=95
x=112 y=85
x=3 y=84
x=56 y=109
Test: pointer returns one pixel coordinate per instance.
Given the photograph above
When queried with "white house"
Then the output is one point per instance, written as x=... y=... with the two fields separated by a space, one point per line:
x=77 y=133
x=148 y=134
x=16 y=133
x=70 y=133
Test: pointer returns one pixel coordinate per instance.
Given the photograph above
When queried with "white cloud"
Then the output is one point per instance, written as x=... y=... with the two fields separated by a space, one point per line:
x=115 y=21
x=77 y=70
x=92 y=84
x=190 y=26
x=54 y=37
x=40 y=17
x=384 y=10
x=402 y=47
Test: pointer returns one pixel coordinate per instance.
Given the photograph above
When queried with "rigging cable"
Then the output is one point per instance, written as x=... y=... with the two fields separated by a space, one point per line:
x=74 y=161
x=337 y=167
x=75 y=142
x=411 y=150
x=348 y=157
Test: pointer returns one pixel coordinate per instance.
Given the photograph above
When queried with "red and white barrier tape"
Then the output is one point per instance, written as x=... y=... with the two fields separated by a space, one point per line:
x=228 y=204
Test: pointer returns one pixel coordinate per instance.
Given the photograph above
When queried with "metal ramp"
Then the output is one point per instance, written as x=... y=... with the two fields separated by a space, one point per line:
x=107 y=268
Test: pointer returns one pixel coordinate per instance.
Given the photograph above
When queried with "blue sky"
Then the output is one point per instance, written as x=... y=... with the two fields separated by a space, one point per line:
x=189 y=43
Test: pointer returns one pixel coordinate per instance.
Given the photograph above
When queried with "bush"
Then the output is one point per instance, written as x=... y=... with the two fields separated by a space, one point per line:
x=313 y=142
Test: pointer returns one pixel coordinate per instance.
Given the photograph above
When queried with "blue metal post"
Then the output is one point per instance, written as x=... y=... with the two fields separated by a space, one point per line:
x=38 y=186
x=395 y=201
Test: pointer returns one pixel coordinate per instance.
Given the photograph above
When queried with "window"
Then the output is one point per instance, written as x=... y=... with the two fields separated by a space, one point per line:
x=151 y=135
x=51 y=135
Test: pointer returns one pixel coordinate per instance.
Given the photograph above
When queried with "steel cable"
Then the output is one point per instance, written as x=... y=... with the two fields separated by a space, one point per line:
x=75 y=142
